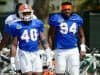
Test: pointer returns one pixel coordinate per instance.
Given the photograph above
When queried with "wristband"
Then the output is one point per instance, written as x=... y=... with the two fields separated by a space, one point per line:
x=12 y=60
x=83 y=47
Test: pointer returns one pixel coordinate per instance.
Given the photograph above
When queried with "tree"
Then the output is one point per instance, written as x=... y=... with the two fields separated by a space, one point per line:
x=90 y=5
x=41 y=8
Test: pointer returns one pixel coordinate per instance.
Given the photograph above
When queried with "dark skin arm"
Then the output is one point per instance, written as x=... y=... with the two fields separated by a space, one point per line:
x=81 y=35
x=4 y=41
x=14 y=47
x=51 y=33
x=43 y=41
x=82 y=41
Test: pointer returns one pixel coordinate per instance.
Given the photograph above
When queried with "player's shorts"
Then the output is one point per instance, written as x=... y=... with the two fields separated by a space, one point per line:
x=30 y=61
x=67 y=61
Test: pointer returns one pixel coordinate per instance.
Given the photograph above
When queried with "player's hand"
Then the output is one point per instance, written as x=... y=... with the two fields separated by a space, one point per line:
x=13 y=67
x=82 y=50
x=48 y=51
x=12 y=63
x=82 y=54
x=49 y=57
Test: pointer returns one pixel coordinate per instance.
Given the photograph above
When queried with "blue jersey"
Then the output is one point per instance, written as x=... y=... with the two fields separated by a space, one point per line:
x=28 y=35
x=10 y=19
x=66 y=30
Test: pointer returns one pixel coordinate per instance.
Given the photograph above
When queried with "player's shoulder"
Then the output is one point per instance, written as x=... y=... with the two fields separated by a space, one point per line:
x=14 y=24
x=76 y=16
x=11 y=18
x=11 y=15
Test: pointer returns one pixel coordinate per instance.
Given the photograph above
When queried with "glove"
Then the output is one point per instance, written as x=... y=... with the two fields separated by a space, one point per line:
x=83 y=47
x=48 y=53
x=12 y=63
x=83 y=50
x=49 y=57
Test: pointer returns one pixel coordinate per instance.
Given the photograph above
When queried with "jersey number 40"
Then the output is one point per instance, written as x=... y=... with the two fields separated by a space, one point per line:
x=31 y=35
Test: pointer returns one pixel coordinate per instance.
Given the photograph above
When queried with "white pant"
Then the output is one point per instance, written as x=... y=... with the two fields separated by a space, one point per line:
x=30 y=61
x=17 y=63
x=67 y=61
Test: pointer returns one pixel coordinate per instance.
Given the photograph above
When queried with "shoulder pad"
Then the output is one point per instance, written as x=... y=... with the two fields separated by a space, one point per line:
x=77 y=18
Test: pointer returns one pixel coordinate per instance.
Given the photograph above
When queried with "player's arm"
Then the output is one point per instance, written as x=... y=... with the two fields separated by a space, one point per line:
x=6 y=35
x=82 y=35
x=4 y=40
x=43 y=41
x=82 y=42
x=51 y=32
x=13 y=49
x=46 y=48
x=13 y=53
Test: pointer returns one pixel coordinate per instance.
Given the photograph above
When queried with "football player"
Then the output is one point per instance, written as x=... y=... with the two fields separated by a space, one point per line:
x=27 y=33
x=65 y=29
x=10 y=19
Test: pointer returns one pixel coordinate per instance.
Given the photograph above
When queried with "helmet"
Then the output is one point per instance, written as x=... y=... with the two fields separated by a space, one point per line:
x=25 y=12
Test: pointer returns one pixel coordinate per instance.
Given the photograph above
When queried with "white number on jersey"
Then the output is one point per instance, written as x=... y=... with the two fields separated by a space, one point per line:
x=64 y=28
x=31 y=35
